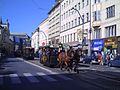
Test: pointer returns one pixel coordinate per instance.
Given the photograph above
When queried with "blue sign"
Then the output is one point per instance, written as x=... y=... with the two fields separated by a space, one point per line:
x=97 y=44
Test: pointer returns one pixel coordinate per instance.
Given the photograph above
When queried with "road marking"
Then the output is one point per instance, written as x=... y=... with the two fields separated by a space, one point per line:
x=51 y=72
x=64 y=77
x=48 y=78
x=1 y=79
x=15 y=78
x=31 y=78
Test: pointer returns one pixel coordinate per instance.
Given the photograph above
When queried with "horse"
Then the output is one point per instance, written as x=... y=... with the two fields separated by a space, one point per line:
x=76 y=57
x=65 y=60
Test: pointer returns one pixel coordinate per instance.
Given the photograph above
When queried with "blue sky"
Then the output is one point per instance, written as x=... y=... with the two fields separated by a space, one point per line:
x=25 y=15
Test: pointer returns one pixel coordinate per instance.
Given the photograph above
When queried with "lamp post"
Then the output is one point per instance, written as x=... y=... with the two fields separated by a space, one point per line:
x=82 y=26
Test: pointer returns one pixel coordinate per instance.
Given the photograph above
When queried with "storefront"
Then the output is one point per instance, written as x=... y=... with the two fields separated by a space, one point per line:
x=110 y=45
x=97 y=45
x=118 y=46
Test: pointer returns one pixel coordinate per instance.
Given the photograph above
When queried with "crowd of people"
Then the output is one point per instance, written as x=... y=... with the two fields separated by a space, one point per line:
x=100 y=56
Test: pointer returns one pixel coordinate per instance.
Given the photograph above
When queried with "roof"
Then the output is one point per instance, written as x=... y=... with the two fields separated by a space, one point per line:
x=56 y=4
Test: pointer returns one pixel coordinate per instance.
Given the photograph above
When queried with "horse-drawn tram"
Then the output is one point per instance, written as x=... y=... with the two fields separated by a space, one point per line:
x=48 y=56
x=28 y=53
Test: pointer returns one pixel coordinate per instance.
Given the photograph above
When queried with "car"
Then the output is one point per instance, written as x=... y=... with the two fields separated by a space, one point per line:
x=88 y=59
x=115 y=62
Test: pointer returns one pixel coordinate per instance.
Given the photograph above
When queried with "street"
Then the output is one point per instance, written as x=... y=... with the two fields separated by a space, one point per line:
x=19 y=74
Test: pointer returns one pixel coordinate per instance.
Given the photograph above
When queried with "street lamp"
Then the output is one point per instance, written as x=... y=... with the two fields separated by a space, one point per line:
x=82 y=26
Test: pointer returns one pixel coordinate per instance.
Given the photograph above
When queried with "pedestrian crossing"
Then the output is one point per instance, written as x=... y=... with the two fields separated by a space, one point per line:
x=32 y=78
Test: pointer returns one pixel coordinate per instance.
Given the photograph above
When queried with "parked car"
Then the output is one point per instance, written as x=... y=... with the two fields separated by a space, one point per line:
x=115 y=62
x=88 y=59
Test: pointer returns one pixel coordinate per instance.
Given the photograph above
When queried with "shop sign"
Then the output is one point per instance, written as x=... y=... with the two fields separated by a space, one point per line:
x=97 y=44
x=110 y=42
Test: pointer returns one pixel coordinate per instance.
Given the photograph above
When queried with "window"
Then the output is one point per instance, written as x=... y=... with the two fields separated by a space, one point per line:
x=68 y=37
x=66 y=14
x=97 y=33
x=82 y=18
x=69 y=12
x=62 y=7
x=69 y=24
x=110 y=31
x=71 y=37
x=74 y=36
x=66 y=3
x=65 y=38
x=87 y=2
x=79 y=20
x=110 y=11
x=87 y=16
x=96 y=1
x=69 y=1
x=72 y=23
x=75 y=22
x=83 y=4
x=66 y=25
x=78 y=6
x=96 y=15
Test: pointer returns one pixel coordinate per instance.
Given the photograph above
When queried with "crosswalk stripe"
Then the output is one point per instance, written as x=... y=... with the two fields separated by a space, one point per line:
x=48 y=78
x=64 y=77
x=15 y=79
x=31 y=78
x=1 y=79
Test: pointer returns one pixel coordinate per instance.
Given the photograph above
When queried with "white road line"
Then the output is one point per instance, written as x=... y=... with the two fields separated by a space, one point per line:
x=51 y=72
x=1 y=79
x=31 y=78
x=15 y=79
x=46 y=77
x=64 y=77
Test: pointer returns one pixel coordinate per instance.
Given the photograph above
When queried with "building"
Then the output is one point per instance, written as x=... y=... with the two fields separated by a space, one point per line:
x=106 y=24
x=35 y=40
x=21 y=40
x=54 y=24
x=43 y=33
x=6 y=44
x=75 y=22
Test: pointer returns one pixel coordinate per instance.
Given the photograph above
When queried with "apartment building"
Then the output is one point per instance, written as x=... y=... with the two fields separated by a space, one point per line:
x=75 y=22
x=106 y=26
x=54 y=24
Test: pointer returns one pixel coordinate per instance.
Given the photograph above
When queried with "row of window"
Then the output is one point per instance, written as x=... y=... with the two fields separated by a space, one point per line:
x=75 y=22
x=110 y=31
x=69 y=38
x=80 y=5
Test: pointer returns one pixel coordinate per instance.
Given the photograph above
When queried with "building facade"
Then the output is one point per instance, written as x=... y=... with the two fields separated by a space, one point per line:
x=35 y=40
x=75 y=22
x=54 y=24
x=21 y=41
x=43 y=33
x=6 y=45
x=106 y=24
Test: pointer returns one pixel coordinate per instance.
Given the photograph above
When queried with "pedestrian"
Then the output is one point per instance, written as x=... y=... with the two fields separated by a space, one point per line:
x=40 y=53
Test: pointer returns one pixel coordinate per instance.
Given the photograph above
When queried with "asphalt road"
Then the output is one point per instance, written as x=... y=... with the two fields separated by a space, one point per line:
x=19 y=74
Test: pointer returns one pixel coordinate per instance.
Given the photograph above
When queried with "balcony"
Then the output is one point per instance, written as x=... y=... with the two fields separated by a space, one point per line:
x=96 y=23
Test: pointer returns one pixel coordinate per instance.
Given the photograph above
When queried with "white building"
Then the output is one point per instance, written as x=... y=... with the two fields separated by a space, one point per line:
x=43 y=33
x=101 y=17
x=35 y=40
x=72 y=21
x=54 y=24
